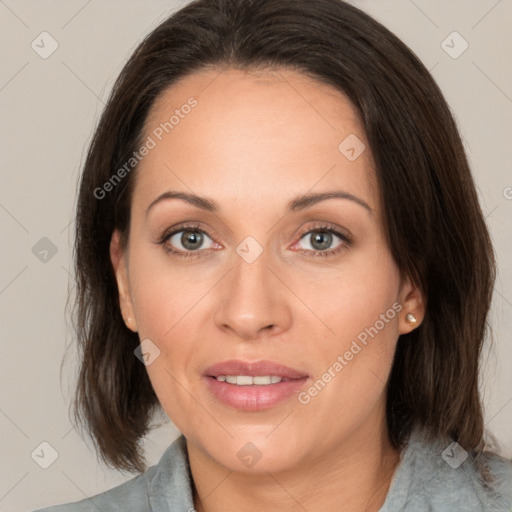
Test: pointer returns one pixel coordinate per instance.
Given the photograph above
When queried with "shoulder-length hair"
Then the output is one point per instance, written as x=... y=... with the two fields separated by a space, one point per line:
x=433 y=222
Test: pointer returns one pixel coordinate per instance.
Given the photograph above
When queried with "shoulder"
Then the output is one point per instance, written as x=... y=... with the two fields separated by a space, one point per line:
x=131 y=495
x=167 y=482
x=441 y=476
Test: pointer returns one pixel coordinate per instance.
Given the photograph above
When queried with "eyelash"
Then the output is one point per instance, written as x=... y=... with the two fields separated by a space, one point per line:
x=327 y=228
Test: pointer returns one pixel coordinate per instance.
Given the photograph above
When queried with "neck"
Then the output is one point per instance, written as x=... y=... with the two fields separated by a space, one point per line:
x=352 y=476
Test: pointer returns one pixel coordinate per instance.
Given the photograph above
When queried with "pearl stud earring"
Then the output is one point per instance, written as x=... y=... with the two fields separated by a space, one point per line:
x=411 y=318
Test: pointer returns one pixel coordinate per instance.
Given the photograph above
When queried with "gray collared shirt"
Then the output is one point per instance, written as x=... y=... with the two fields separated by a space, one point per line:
x=431 y=477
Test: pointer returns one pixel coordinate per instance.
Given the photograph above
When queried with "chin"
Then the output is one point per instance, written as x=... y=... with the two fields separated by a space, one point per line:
x=256 y=452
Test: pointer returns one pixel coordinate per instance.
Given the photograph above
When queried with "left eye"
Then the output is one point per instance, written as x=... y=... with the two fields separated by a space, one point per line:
x=321 y=239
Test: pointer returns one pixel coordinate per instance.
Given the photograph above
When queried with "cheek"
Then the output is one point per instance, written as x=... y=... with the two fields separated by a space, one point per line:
x=353 y=297
x=167 y=302
x=361 y=310
x=163 y=293
x=164 y=309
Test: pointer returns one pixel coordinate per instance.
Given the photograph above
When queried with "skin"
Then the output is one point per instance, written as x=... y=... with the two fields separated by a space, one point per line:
x=254 y=141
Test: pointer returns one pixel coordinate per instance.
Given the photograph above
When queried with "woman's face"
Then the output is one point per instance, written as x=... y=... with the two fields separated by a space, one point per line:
x=264 y=269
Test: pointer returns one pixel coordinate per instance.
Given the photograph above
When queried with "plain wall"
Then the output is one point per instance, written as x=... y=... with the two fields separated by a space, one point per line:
x=49 y=109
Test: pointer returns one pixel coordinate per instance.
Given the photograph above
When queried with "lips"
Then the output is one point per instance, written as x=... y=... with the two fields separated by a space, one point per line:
x=253 y=396
x=254 y=369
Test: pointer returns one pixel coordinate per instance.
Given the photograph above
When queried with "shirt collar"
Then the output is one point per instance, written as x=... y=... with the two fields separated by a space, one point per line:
x=170 y=487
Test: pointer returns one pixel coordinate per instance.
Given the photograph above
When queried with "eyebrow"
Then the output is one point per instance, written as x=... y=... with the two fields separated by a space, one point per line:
x=299 y=203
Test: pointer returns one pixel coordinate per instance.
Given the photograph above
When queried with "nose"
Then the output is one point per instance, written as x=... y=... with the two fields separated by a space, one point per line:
x=254 y=301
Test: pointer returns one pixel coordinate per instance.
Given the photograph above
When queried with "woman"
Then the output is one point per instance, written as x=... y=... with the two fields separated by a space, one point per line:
x=279 y=243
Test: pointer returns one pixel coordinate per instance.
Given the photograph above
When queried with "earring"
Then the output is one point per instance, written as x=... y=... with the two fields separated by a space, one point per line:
x=411 y=318
x=127 y=320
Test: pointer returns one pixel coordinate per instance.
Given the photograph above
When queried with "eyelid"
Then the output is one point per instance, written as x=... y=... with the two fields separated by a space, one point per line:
x=190 y=225
x=327 y=226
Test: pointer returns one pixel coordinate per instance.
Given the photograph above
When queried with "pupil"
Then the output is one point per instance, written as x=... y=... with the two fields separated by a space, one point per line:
x=322 y=237
x=189 y=238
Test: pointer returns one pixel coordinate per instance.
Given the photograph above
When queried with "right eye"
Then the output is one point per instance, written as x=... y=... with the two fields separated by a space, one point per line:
x=190 y=238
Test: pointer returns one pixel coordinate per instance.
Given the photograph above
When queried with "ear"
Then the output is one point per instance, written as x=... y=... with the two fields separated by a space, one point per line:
x=119 y=261
x=413 y=303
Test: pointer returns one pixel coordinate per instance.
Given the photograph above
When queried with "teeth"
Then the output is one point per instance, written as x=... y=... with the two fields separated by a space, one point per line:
x=247 y=380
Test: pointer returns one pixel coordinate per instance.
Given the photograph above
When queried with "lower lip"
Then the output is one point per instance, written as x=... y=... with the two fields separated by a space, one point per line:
x=254 y=397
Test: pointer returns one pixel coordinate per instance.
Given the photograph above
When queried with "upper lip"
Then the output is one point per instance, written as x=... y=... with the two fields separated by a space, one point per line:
x=253 y=369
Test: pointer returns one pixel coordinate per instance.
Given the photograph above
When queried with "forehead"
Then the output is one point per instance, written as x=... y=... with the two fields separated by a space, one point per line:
x=258 y=135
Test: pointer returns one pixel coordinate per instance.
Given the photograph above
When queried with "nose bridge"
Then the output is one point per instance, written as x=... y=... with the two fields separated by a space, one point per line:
x=252 y=300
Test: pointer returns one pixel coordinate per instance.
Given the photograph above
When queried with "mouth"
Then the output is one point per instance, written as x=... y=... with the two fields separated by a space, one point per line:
x=253 y=386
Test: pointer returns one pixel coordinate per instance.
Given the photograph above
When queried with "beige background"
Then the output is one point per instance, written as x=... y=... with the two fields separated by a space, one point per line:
x=49 y=108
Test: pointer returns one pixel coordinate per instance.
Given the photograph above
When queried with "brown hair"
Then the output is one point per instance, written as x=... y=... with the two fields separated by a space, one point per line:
x=433 y=221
